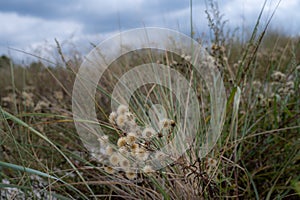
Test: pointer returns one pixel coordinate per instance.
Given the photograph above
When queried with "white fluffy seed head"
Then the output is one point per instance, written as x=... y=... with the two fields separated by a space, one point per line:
x=112 y=118
x=148 y=132
x=109 y=170
x=122 y=109
x=129 y=116
x=103 y=140
x=278 y=76
x=130 y=138
x=138 y=132
x=290 y=84
x=123 y=150
x=148 y=169
x=121 y=142
x=114 y=159
x=164 y=124
x=256 y=85
x=275 y=84
x=109 y=150
x=121 y=120
x=134 y=147
x=188 y=58
x=124 y=163
x=130 y=174
x=260 y=97
x=142 y=154
x=291 y=92
x=211 y=162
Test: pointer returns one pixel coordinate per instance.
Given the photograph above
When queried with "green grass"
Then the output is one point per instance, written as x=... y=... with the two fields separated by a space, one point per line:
x=256 y=157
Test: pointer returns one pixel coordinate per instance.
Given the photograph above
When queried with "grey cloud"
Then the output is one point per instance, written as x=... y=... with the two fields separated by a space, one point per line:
x=95 y=18
x=41 y=9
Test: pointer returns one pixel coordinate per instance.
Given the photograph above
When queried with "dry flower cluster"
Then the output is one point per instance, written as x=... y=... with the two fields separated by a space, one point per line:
x=135 y=146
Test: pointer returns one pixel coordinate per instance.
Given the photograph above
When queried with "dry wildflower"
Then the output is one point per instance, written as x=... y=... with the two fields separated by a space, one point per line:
x=27 y=99
x=109 y=170
x=270 y=102
x=130 y=138
x=215 y=47
x=28 y=103
x=172 y=123
x=211 y=162
x=142 y=154
x=112 y=117
x=122 y=109
x=260 y=97
x=121 y=142
x=263 y=102
x=109 y=150
x=188 y=58
x=129 y=116
x=41 y=105
x=164 y=124
x=41 y=127
x=121 y=119
x=131 y=126
x=290 y=85
x=123 y=151
x=59 y=95
x=114 y=159
x=275 y=96
x=96 y=154
x=29 y=88
x=26 y=95
x=291 y=92
x=134 y=147
x=256 y=85
x=124 y=163
x=275 y=84
x=282 y=91
x=8 y=99
x=103 y=140
x=138 y=131
x=130 y=175
x=148 y=169
x=278 y=76
x=148 y=132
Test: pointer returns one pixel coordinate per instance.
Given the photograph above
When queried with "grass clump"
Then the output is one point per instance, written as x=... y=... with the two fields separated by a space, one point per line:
x=256 y=157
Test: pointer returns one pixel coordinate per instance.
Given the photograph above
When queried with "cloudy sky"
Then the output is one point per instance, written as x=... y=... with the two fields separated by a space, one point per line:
x=32 y=25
